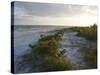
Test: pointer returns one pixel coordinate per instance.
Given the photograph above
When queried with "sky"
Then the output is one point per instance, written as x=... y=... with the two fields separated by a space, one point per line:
x=32 y=13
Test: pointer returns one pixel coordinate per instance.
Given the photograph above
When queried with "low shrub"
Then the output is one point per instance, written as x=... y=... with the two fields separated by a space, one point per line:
x=44 y=54
x=90 y=57
x=89 y=33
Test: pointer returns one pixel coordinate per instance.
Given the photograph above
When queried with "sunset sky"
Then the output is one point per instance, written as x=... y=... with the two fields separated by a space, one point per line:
x=30 y=13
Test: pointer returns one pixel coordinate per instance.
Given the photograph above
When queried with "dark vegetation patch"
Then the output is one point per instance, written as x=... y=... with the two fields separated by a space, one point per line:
x=90 y=57
x=45 y=55
x=89 y=33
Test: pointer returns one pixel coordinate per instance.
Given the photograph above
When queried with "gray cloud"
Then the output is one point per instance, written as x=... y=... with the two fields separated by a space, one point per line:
x=47 y=9
x=29 y=12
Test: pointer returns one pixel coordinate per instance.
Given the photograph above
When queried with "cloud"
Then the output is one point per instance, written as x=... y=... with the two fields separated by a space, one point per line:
x=49 y=13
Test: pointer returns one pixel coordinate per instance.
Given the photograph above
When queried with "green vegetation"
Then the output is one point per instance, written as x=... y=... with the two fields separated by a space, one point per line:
x=56 y=64
x=46 y=55
x=89 y=54
x=90 y=57
x=89 y=33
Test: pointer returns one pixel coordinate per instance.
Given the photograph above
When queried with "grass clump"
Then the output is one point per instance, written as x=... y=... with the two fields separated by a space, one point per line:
x=89 y=33
x=46 y=55
x=90 y=57
x=56 y=64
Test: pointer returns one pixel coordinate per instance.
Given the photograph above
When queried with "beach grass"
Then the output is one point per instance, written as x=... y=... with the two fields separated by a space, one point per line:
x=45 y=54
x=89 y=32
